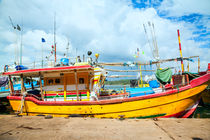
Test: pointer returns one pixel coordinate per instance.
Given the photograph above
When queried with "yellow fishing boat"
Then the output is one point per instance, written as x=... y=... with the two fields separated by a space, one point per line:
x=76 y=91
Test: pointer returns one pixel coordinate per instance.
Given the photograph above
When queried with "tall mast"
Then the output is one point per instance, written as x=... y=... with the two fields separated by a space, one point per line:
x=55 y=35
x=67 y=49
x=21 y=42
x=180 y=50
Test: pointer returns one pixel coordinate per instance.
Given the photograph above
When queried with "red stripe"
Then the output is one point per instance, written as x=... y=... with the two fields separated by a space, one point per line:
x=54 y=94
x=178 y=32
x=189 y=112
x=48 y=69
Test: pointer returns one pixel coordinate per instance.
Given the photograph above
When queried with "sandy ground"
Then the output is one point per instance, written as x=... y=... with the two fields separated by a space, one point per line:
x=39 y=128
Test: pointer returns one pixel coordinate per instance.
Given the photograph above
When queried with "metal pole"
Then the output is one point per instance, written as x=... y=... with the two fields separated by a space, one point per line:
x=141 y=76
x=42 y=54
x=76 y=84
x=180 y=49
x=55 y=35
x=21 y=42
x=198 y=64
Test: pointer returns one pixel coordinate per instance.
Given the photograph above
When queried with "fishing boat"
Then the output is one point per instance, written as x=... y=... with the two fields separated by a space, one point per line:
x=77 y=90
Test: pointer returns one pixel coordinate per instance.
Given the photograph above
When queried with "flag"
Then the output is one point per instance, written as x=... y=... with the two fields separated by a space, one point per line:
x=43 y=40
x=18 y=27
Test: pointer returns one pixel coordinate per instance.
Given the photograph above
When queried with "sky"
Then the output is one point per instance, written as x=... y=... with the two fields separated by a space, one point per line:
x=112 y=28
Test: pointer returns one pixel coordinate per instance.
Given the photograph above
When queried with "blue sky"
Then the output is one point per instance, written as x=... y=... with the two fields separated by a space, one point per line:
x=114 y=29
x=201 y=30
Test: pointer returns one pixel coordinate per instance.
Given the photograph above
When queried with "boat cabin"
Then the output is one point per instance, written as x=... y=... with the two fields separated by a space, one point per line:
x=68 y=83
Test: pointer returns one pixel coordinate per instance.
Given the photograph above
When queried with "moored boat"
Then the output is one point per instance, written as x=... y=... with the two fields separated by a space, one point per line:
x=178 y=100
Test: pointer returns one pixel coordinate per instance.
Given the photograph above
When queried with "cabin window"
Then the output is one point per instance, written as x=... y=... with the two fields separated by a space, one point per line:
x=50 y=81
x=81 y=81
x=57 y=81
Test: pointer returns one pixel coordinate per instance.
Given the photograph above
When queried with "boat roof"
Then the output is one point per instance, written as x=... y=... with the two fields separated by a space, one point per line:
x=42 y=71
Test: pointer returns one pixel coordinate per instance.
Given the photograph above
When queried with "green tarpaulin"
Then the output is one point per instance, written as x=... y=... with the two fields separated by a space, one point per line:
x=164 y=75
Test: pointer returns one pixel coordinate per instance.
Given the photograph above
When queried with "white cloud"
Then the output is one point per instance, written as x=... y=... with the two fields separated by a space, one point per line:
x=185 y=7
x=112 y=28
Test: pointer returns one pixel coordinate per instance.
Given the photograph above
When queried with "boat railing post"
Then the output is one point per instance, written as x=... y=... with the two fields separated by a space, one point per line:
x=187 y=77
x=40 y=84
x=88 y=94
x=141 y=76
x=64 y=81
x=198 y=64
x=183 y=79
x=23 y=89
x=76 y=84
x=32 y=84
x=11 y=86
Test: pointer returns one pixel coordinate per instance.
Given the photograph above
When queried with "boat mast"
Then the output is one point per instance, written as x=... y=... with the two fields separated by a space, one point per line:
x=155 y=48
x=67 y=50
x=16 y=48
x=21 y=40
x=55 y=35
x=180 y=50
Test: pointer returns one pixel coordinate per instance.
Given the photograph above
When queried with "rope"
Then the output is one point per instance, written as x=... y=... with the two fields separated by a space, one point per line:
x=21 y=104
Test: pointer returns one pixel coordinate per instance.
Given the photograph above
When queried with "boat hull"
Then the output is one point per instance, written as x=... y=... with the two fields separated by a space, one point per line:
x=173 y=103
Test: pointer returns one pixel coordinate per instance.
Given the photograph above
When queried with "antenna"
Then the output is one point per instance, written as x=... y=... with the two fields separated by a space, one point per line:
x=154 y=51
x=145 y=30
x=21 y=42
x=55 y=35
x=67 y=49
x=12 y=22
x=16 y=48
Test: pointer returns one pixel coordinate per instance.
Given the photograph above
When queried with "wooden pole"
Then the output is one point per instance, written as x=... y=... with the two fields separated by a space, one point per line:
x=64 y=83
x=32 y=84
x=88 y=86
x=40 y=84
x=141 y=76
x=11 y=85
x=124 y=89
x=187 y=77
x=180 y=49
x=55 y=35
x=76 y=84
x=22 y=84
x=188 y=66
x=83 y=58
x=198 y=64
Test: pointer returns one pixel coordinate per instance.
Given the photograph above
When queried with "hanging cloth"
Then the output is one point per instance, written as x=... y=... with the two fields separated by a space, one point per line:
x=164 y=75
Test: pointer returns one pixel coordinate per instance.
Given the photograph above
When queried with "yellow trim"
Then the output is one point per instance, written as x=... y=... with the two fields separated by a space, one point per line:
x=88 y=95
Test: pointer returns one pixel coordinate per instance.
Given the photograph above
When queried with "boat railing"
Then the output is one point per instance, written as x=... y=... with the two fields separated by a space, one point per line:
x=29 y=95
x=36 y=65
